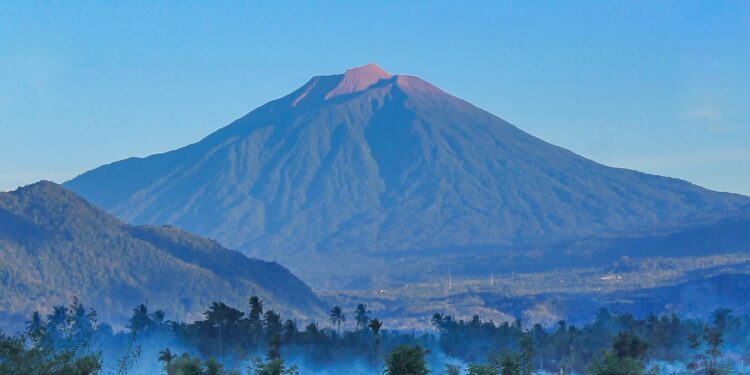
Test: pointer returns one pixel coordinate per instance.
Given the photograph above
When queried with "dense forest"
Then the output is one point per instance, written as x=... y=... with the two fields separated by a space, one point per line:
x=70 y=340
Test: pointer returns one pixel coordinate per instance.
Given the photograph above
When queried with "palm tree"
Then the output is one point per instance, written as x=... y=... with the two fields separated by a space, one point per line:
x=337 y=317
x=158 y=317
x=166 y=356
x=221 y=316
x=56 y=324
x=272 y=323
x=58 y=317
x=35 y=326
x=361 y=316
x=375 y=325
x=437 y=320
x=256 y=309
x=140 y=319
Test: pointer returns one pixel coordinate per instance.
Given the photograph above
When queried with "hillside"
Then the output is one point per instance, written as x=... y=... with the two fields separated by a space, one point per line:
x=53 y=245
x=691 y=299
x=728 y=234
x=363 y=163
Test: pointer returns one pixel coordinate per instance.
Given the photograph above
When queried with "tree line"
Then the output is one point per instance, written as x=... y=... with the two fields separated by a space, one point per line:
x=257 y=340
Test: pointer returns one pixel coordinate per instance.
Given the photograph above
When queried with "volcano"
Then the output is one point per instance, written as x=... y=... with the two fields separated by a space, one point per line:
x=352 y=166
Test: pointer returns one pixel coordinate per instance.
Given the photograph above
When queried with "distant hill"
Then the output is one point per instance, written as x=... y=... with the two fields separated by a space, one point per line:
x=729 y=233
x=354 y=165
x=693 y=298
x=54 y=245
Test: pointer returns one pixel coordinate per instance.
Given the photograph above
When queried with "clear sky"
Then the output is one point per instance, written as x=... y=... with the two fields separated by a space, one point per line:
x=658 y=86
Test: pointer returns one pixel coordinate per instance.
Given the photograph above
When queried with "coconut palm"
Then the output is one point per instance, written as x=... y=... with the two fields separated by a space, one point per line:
x=221 y=316
x=166 y=356
x=35 y=326
x=158 y=317
x=140 y=319
x=361 y=316
x=58 y=317
x=437 y=320
x=337 y=317
x=375 y=325
x=256 y=309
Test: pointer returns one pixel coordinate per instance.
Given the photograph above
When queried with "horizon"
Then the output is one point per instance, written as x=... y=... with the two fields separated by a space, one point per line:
x=666 y=99
x=338 y=187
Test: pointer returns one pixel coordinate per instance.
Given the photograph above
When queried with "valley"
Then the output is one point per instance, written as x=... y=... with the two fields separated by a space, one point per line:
x=564 y=294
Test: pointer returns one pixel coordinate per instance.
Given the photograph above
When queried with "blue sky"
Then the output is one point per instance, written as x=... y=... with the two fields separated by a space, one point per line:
x=657 y=86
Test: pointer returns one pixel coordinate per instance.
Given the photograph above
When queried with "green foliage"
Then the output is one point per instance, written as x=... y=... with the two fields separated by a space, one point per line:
x=274 y=348
x=140 y=319
x=526 y=357
x=628 y=345
x=611 y=364
x=361 y=316
x=185 y=365
x=406 y=360
x=17 y=358
x=337 y=317
x=213 y=367
x=256 y=308
x=375 y=326
x=709 y=349
x=507 y=363
x=625 y=357
x=59 y=346
x=130 y=355
x=166 y=356
x=55 y=242
x=451 y=369
x=272 y=367
x=475 y=369
x=61 y=341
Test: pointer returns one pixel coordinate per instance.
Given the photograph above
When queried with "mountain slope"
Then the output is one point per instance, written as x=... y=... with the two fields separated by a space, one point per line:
x=54 y=245
x=366 y=162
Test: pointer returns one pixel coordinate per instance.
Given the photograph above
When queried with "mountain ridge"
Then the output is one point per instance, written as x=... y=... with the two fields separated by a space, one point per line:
x=54 y=244
x=386 y=164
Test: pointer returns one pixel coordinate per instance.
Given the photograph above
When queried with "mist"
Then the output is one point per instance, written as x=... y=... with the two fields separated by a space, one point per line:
x=235 y=341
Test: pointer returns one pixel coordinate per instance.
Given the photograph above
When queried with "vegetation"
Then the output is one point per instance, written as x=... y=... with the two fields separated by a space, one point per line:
x=59 y=344
x=348 y=180
x=406 y=360
x=546 y=295
x=227 y=341
x=625 y=357
x=53 y=242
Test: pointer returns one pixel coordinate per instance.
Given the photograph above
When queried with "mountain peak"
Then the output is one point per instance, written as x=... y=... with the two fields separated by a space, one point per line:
x=45 y=190
x=391 y=164
x=368 y=69
x=359 y=79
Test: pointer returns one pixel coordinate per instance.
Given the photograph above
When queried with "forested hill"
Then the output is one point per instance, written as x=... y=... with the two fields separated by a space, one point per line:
x=54 y=244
